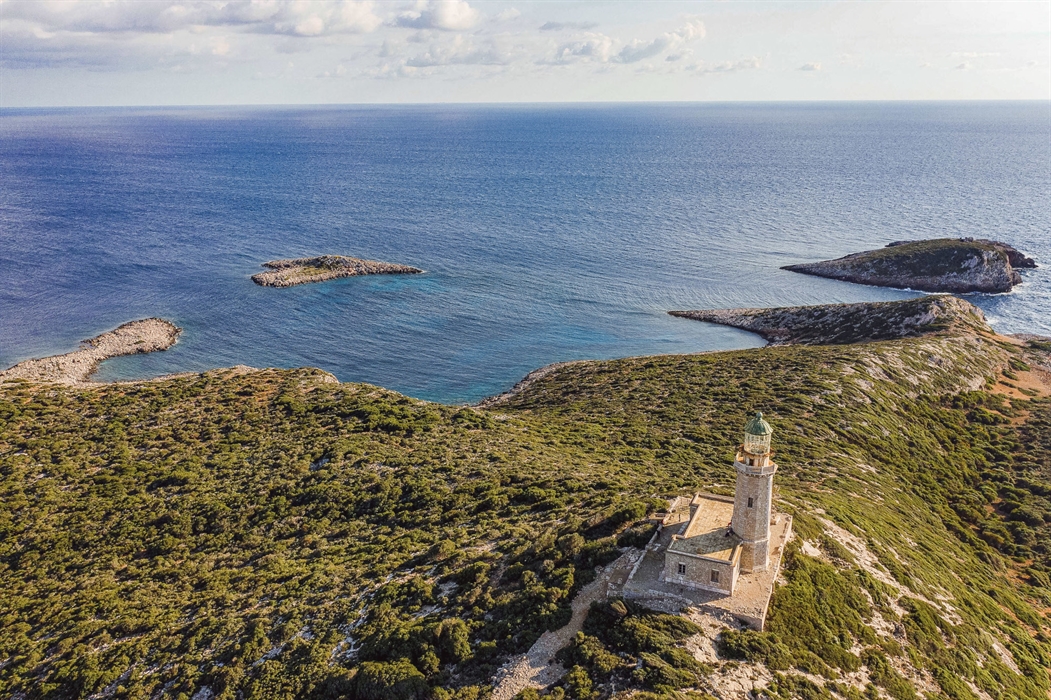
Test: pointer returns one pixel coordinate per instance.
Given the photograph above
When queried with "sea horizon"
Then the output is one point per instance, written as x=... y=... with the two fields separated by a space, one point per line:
x=549 y=231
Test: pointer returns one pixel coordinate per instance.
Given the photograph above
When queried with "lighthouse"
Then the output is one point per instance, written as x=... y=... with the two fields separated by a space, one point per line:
x=754 y=493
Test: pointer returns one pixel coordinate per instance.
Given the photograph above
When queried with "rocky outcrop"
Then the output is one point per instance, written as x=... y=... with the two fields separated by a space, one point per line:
x=146 y=335
x=1014 y=256
x=837 y=324
x=288 y=273
x=955 y=265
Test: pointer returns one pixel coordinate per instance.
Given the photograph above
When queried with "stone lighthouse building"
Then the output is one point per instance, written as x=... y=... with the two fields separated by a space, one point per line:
x=754 y=494
x=727 y=537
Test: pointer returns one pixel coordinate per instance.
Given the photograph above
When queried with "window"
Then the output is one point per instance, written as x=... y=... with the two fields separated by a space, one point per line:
x=682 y=569
x=715 y=576
x=750 y=502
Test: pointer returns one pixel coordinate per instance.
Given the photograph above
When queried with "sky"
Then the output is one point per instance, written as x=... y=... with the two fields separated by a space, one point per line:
x=218 y=52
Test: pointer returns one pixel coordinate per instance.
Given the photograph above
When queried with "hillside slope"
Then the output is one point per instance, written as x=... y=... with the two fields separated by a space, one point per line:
x=273 y=534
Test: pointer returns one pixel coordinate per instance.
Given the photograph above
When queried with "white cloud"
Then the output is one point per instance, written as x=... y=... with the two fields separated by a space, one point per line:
x=310 y=26
x=109 y=51
x=597 y=47
x=339 y=72
x=640 y=50
x=220 y=46
x=450 y=15
x=590 y=47
x=461 y=51
x=295 y=17
x=703 y=68
x=560 y=26
x=136 y=35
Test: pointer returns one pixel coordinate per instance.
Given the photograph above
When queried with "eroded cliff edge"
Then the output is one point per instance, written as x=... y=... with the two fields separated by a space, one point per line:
x=955 y=265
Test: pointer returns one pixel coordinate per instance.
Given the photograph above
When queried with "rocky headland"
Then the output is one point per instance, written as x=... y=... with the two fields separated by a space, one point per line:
x=955 y=265
x=288 y=273
x=837 y=324
x=132 y=338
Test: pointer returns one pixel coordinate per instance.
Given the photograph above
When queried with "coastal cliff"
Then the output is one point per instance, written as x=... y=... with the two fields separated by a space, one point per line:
x=955 y=265
x=288 y=273
x=132 y=338
x=838 y=324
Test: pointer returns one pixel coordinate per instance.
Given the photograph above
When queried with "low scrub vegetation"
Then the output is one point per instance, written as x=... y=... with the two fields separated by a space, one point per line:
x=273 y=535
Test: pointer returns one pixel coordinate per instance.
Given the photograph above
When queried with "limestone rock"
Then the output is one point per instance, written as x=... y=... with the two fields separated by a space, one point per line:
x=134 y=337
x=288 y=273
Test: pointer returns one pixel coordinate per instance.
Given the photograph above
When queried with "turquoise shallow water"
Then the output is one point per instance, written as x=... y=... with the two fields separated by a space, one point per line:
x=548 y=233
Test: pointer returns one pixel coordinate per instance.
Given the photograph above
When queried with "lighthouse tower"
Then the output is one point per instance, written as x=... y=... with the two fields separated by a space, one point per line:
x=755 y=484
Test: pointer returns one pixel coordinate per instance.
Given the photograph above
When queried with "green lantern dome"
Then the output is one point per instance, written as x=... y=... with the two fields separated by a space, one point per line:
x=757 y=434
x=758 y=426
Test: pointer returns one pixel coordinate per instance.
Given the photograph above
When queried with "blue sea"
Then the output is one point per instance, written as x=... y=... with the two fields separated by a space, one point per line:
x=548 y=232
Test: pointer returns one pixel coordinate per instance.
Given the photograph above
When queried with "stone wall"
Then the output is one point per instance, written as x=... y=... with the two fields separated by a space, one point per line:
x=699 y=570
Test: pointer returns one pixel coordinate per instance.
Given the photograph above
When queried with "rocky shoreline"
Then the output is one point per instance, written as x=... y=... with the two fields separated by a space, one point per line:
x=523 y=384
x=288 y=273
x=838 y=324
x=132 y=338
x=954 y=265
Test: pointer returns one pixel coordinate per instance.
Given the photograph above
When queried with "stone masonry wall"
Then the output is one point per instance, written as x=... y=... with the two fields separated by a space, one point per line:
x=699 y=572
x=752 y=524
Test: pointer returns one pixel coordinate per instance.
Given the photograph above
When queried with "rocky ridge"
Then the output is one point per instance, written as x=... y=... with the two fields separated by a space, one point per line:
x=955 y=265
x=837 y=324
x=288 y=273
x=132 y=338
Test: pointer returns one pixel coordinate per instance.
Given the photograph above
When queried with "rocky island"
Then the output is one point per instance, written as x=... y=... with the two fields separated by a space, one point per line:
x=132 y=338
x=288 y=273
x=954 y=265
x=838 y=324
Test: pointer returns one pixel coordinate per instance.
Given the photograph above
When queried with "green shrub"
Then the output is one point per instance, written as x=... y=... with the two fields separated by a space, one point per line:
x=393 y=680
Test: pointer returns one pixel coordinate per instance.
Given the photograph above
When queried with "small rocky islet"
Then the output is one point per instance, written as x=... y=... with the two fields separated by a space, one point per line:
x=953 y=265
x=290 y=272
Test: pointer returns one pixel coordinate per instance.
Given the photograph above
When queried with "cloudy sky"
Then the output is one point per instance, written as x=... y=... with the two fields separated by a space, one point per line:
x=169 y=52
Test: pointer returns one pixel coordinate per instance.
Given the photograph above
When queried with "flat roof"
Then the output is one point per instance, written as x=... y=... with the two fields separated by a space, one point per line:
x=708 y=534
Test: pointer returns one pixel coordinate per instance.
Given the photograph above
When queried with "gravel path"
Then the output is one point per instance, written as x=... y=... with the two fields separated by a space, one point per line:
x=537 y=668
x=146 y=335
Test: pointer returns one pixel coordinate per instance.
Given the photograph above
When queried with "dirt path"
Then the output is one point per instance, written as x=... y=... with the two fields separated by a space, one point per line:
x=537 y=668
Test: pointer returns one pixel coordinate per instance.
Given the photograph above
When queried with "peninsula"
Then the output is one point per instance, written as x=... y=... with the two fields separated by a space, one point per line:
x=954 y=265
x=288 y=273
x=132 y=338
x=838 y=324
